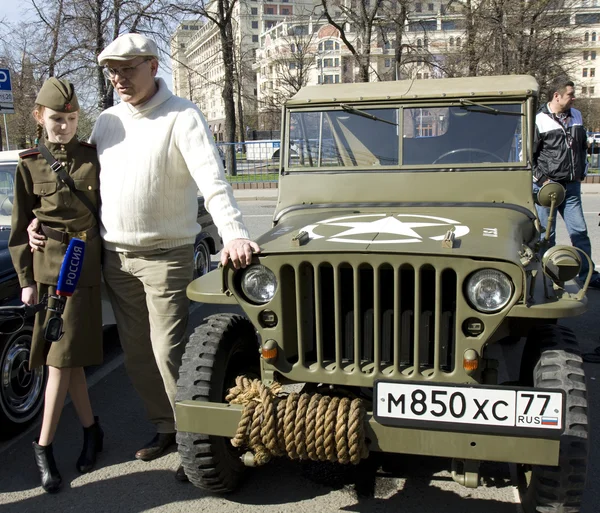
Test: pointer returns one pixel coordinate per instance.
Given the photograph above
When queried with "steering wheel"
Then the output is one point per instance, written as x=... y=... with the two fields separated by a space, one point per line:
x=472 y=150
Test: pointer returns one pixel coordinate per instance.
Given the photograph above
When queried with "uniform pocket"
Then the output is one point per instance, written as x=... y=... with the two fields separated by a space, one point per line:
x=44 y=188
x=86 y=184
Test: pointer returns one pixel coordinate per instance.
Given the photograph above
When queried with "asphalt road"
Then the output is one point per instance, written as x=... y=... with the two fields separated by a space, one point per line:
x=387 y=484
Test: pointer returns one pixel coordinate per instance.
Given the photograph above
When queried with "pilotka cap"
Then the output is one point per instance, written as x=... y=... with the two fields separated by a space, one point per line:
x=58 y=95
x=127 y=47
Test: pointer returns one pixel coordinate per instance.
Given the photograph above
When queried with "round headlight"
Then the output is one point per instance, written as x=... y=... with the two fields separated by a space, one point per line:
x=259 y=284
x=489 y=290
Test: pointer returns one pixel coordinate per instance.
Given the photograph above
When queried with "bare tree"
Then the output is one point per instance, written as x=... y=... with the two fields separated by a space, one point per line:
x=295 y=59
x=101 y=21
x=396 y=12
x=514 y=37
x=590 y=110
x=21 y=125
x=470 y=12
x=395 y=21
x=525 y=37
x=245 y=78
x=295 y=55
x=358 y=17
x=53 y=25
x=220 y=13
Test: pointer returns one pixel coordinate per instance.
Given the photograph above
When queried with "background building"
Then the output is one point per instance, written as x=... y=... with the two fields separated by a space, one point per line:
x=197 y=62
x=286 y=44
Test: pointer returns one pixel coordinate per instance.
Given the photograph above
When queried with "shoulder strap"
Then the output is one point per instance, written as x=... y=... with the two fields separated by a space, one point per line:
x=59 y=169
x=29 y=153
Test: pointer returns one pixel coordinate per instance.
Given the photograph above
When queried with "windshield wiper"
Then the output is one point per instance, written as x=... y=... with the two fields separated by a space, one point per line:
x=468 y=104
x=364 y=114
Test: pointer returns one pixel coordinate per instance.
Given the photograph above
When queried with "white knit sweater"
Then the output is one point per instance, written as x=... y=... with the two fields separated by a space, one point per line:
x=153 y=159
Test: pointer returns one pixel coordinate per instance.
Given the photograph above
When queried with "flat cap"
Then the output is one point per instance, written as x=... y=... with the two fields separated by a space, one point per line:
x=58 y=95
x=127 y=47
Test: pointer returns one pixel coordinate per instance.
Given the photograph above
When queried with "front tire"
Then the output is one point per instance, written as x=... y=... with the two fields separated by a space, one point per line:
x=21 y=390
x=554 y=353
x=219 y=350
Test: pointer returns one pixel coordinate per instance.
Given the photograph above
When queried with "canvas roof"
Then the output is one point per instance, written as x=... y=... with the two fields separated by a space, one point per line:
x=464 y=87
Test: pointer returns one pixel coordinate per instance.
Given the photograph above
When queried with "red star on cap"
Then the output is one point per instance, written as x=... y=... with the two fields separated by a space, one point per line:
x=67 y=106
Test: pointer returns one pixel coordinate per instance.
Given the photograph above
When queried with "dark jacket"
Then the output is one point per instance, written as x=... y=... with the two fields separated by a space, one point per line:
x=40 y=193
x=559 y=154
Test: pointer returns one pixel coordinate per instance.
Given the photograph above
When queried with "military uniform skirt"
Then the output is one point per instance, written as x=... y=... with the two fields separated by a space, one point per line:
x=81 y=344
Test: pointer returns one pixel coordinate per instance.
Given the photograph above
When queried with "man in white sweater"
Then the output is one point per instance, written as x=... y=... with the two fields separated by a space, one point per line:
x=155 y=152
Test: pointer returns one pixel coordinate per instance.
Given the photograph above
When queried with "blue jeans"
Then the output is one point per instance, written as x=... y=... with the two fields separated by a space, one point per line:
x=571 y=211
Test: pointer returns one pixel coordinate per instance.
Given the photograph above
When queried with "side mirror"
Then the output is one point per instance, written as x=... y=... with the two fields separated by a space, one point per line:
x=550 y=193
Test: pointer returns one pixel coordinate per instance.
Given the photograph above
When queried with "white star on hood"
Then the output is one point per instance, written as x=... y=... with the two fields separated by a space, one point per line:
x=385 y=224
x=389 y=225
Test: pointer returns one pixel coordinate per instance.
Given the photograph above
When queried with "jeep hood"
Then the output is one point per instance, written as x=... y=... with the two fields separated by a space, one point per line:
x=493 y=232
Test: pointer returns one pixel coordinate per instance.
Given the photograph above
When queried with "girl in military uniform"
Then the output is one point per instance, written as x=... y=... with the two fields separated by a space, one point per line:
x=66 y=206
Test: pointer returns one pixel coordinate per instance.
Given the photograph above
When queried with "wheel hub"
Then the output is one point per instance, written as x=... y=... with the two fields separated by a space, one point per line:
x=201 y=259
x=20 y=387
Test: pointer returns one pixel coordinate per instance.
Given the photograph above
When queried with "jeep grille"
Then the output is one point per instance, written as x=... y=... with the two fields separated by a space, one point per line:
x=370 y=319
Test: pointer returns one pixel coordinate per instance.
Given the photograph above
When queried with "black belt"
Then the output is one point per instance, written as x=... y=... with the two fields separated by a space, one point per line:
x=65 y=237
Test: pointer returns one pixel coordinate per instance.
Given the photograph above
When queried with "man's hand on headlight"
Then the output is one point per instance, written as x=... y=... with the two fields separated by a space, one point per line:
x=239 y=251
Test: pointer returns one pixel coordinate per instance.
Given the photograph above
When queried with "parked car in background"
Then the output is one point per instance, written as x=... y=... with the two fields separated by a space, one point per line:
x=21 y=390
x=593 y=138
x=208 y=241
x=593 y=142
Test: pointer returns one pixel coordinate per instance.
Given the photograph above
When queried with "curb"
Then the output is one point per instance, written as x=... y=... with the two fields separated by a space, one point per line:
x=255 y=198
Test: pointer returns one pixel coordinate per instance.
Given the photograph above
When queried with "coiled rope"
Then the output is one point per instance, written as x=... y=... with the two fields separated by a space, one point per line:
x=303 y=426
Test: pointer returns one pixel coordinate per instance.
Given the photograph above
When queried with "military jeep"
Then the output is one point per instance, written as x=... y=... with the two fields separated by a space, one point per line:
x=405 y=300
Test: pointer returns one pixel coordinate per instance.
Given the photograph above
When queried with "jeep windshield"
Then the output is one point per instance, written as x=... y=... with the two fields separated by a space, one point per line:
x=468 y=135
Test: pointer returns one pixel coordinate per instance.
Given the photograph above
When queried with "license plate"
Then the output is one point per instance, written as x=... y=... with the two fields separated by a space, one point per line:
x=527 y=412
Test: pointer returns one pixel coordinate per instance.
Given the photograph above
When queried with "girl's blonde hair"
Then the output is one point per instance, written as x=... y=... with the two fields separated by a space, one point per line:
x=39 y=128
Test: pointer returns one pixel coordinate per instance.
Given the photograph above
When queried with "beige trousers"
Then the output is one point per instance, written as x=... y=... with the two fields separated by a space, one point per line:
x=147 y=292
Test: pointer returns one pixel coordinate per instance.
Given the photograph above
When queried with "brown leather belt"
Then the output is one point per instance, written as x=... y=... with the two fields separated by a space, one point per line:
x=65 y=237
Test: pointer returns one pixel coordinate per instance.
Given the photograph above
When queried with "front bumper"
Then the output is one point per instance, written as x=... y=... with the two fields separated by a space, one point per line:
x=222 y=420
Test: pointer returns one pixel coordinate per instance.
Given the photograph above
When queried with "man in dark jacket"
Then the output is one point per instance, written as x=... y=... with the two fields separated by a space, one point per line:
x=560 y=155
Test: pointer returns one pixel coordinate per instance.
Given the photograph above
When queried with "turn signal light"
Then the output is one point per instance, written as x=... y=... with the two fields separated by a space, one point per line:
x=269 y=351
x=470 y=360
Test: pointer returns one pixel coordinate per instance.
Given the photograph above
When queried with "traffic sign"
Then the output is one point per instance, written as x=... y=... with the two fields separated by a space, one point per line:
x=5 y=84
x=6 y=96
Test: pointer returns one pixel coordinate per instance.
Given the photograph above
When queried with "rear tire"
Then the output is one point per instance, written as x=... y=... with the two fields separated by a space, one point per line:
x=552 y=360
x=219 y=350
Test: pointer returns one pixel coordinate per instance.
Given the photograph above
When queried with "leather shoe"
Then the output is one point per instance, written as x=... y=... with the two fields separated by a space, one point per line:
x=156 y=447
x=93 y=441
x=180 y=475
x=49 y=475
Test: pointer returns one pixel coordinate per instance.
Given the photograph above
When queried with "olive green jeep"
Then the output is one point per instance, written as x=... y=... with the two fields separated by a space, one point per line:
x=406 y=299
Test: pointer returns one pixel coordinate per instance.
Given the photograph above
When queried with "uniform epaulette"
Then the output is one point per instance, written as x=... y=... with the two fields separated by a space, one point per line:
x=29 y=153
x=89 y=145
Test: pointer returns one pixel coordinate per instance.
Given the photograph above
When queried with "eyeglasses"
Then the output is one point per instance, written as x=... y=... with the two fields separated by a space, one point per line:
x=125 y=72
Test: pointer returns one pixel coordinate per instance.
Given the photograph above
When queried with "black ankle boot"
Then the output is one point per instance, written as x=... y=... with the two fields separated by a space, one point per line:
x=93 y=440
x=44 y=459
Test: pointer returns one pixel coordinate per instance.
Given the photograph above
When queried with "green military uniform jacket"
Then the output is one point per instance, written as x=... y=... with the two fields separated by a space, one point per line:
x=40 y=193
